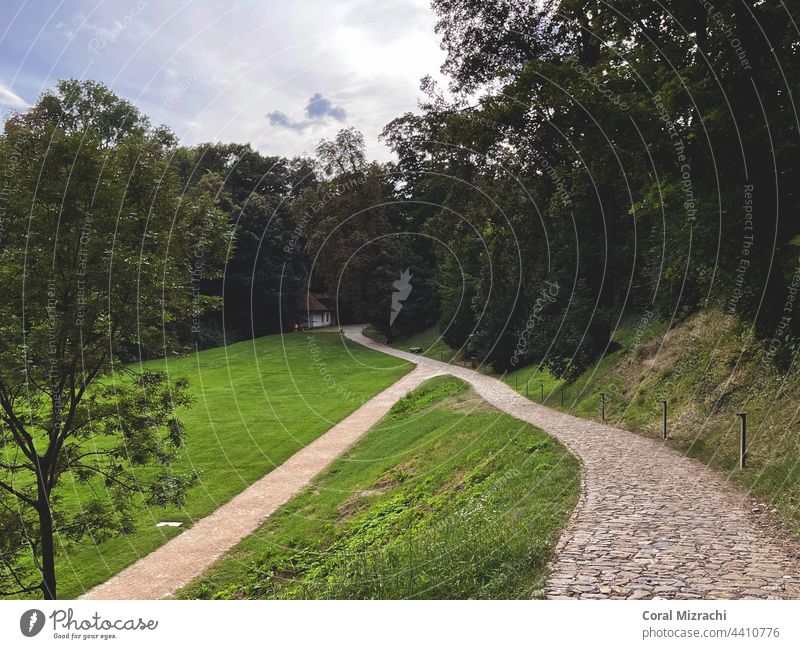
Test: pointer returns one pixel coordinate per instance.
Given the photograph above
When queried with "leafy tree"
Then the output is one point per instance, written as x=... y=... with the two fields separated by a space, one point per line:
x=346 y=223
x=615 y=143
x=265 y=271
x=100 y=256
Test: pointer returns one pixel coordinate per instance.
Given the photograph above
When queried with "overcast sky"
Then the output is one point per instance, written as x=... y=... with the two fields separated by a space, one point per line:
x=280 y=74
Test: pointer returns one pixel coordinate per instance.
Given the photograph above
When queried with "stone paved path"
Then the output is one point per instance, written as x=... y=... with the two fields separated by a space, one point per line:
x=189 y=554
x=651 y=522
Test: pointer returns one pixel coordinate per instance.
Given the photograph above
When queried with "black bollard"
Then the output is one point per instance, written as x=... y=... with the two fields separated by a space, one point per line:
x=664 y=420
x=742 y=440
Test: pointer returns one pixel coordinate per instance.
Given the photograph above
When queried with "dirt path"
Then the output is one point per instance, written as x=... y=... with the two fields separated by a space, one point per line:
x=651 y=522
x=188 y=555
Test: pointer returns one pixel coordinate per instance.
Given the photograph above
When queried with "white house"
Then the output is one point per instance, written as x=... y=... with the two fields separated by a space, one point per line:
x=320 y=311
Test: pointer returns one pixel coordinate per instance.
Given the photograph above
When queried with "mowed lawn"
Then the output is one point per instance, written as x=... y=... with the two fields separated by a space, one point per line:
x=444 y=498
x=258 y=402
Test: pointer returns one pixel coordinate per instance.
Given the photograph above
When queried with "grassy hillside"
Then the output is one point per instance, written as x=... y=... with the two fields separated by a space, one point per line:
x=258 y=402
x=444 y=498
x=708 y=368
x=429 y=340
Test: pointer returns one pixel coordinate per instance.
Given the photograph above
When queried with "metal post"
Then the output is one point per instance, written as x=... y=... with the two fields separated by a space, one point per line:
x=664 y=420
x=603 y=405
x=742 y=440
x=541 y=385
x=526 y=388
x=516 y=383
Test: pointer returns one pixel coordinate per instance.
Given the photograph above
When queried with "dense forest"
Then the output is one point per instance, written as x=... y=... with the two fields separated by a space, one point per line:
x=624 y=161
x=587 y=164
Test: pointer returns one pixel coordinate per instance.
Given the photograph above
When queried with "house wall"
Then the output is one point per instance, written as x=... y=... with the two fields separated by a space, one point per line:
x=321 y=319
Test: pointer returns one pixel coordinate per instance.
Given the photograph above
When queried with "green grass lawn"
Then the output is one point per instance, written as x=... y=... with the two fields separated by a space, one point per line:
x=258 y=402
x=444 y=498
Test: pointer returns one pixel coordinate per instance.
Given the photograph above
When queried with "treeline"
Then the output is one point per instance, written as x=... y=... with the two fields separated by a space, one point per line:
x=588 y=164
x=323 y=224
x=592 y=162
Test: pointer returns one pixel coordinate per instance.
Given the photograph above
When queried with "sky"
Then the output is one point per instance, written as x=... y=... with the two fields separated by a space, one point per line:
x=280 y=74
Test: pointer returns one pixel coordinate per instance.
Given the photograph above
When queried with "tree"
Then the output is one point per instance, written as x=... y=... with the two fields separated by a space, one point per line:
x=345 y=220
x=264 y=271
x=344 y=155
x=100 y=256
x=623 y=149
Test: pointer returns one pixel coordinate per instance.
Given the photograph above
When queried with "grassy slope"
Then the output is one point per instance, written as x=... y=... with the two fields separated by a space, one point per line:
x=444 y=498
x=258 y=402
x=707 y=368
x=430 y=340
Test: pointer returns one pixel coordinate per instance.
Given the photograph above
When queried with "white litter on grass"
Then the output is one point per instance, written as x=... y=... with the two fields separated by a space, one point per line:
x=169 y=524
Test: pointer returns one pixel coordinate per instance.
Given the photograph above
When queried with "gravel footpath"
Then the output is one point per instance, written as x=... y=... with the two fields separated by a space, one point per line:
x=188 y=555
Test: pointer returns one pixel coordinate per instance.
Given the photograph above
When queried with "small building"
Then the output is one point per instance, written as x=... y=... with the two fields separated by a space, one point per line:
x=319 y=311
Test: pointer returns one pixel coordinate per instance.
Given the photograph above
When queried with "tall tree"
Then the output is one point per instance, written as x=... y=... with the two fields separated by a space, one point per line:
x=346 y=225
x=265 y=269
x=100 y=256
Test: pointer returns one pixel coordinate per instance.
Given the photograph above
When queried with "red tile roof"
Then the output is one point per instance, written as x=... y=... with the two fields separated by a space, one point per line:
x=319 y=302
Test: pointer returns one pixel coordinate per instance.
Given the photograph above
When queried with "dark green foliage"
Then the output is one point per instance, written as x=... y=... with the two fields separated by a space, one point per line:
x=265 y=271
x=642 y=157
x=95 y=267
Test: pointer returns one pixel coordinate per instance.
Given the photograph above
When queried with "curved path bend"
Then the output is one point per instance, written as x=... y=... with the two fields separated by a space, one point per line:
x=651 y=522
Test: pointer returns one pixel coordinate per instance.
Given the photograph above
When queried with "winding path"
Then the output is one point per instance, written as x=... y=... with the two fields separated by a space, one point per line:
x=650 y=522
x=188 y=555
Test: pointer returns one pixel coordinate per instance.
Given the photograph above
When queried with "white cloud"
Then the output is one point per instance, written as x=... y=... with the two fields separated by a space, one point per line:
x=9 y=99
x=216 y=71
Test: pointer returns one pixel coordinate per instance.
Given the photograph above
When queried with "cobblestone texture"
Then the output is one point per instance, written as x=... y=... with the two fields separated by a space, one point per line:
x=651 y=523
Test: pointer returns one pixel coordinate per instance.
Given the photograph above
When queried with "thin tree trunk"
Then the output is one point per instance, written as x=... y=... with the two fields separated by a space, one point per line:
x=48 y=547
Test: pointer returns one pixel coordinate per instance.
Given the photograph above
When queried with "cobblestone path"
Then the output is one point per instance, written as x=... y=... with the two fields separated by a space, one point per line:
x=650 y=522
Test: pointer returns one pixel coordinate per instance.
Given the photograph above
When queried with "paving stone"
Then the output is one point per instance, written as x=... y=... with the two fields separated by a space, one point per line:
x=663 y=520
